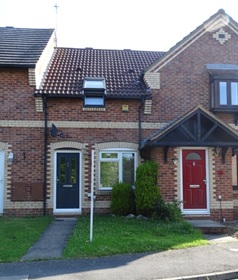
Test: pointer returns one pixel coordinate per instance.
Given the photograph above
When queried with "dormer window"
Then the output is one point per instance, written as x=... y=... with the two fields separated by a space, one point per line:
x=94 y=91
x=224 y=87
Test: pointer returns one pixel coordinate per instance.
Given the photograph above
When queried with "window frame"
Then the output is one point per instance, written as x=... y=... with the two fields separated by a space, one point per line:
x=216 y=94
x=95 y=92
x=119 y=159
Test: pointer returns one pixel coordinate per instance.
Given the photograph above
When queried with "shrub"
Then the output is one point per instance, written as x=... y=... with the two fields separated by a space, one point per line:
x=166 y=211
x=122 y=202
x=147 y=192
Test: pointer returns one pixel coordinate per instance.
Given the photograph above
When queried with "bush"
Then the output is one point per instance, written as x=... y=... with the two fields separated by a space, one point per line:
x=122 y=202
x=166 y=211
x=147 y=192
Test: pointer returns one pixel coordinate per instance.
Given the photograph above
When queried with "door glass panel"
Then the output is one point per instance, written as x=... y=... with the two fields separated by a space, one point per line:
x=73 y=175
x=223 y=93
x=128 y=170
x=62 y=170
x=193 y=156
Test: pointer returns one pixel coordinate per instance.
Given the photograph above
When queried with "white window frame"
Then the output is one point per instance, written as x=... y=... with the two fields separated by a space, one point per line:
x=94 y=91
x=94 y=83
x=120 y=152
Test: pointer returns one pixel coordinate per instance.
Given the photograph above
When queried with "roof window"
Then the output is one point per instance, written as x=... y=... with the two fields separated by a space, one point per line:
x=94 y=91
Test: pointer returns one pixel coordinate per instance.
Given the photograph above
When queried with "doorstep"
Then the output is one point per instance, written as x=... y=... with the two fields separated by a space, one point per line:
x=209 y=226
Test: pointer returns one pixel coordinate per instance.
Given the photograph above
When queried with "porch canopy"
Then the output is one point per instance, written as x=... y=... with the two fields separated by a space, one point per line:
x=197 y=128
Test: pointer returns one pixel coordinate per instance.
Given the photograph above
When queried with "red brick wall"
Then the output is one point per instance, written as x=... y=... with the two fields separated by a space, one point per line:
x=18 y=104
x=72 y=110
x=184 y=80
x=223 y=178
x=16 y=96
x=166 y=173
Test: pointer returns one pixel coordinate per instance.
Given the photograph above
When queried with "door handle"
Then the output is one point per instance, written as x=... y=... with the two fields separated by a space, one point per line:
x=205 y=181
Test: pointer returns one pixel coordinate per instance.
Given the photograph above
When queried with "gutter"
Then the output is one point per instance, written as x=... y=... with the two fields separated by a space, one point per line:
x=45 y=154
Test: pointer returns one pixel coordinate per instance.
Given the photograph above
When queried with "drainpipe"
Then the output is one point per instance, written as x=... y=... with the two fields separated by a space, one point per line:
x=45 y=155
x=139 y=121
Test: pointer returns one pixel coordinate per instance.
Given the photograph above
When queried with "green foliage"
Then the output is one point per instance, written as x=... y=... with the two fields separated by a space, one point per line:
x=165 y=211
x=122 y=202
x=147 y=192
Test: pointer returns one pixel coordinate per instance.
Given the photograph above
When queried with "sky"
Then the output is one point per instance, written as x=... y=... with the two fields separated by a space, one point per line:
x=151 y=25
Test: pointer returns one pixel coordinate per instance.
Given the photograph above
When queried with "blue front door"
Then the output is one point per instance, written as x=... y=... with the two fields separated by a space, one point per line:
x=67 y=187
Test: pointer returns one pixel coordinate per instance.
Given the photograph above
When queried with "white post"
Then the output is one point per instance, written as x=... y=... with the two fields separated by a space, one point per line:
x=92 y=196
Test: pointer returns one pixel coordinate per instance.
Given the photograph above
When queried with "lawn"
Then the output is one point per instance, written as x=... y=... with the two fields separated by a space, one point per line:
x=111 y=236
x=118 y=235
x=18 y=235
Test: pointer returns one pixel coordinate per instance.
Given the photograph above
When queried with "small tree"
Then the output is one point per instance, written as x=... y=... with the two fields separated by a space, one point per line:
x=122 y=202
x=147 y=192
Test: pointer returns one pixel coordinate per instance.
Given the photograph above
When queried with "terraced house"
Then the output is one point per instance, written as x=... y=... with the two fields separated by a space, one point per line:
x=72 y=119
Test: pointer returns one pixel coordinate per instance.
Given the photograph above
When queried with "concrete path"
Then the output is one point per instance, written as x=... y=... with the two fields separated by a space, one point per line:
x=52 y=242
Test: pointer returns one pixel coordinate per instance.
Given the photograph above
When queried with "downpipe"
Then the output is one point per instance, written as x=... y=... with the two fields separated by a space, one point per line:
x=45 y=154
x=139 y=121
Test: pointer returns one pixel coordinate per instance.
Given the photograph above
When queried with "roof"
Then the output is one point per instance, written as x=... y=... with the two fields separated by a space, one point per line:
x=121 y=69
x=198 y=127
x=22 y=47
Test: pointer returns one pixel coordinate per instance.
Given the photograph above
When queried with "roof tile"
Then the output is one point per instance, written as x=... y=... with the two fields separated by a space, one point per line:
x=22 y=46
x=120 y=68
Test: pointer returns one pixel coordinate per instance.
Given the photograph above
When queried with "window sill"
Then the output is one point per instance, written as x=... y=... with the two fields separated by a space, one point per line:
x=101 y=190
x=94 y=109
x=225 y=109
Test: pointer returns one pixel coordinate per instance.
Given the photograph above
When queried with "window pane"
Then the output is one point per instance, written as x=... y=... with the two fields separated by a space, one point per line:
x=234 y=93
x=109 y=155
x=94 y=84
x=95 y=101
x=109 y=174
x=73 y=170
x=128 y=168
x=223 y=93
x=62 y=170
x=193 y=156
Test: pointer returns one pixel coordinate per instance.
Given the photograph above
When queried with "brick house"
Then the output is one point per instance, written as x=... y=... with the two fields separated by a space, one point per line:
x=97 y=114
x=24 y=56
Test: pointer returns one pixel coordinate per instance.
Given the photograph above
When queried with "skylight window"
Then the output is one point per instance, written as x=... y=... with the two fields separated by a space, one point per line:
x=99 y=84
x=94 y=91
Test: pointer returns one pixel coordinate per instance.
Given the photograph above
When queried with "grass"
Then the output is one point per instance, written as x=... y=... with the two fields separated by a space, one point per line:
x=18 y=235
x=118 y=235
x=111 y=236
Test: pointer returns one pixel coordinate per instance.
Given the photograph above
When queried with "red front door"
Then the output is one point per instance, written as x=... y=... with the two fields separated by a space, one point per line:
x=194 y=179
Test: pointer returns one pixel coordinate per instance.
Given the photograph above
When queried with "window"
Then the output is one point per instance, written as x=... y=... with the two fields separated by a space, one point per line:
x=224 y=87
x=94 y=91
x=116 y=166
x=225 y=95
x=193 y=156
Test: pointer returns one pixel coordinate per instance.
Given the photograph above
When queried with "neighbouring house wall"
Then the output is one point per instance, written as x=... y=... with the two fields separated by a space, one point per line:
x=220 y=183
x=168 y=181
x=222 y=186
x=182 y=84
x=22 y=130
x=184 y=80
